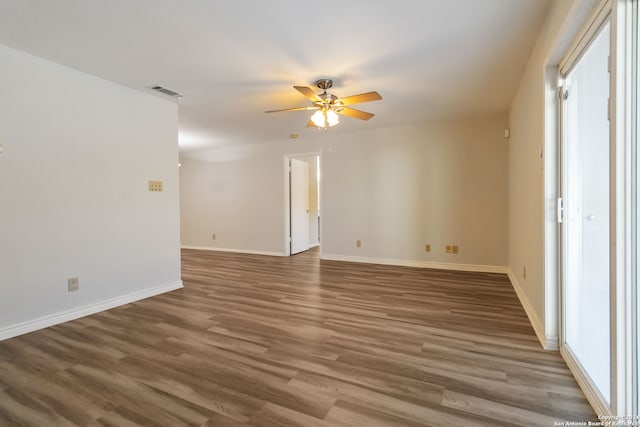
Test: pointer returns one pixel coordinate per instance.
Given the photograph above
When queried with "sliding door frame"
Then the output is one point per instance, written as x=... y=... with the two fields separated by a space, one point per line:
x=601 y=17
x=625 y=118
x=623 y=112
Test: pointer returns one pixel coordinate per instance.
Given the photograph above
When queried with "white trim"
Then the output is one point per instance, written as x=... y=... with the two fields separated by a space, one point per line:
x=75 y=313
x=586 y=35
x=631 y=13
x=287 y=206
x=547 y=342
x=238 y=251
x=315 y=245
x=552 y=252
x=416 y=263
x=586 y=385
x=624 y=113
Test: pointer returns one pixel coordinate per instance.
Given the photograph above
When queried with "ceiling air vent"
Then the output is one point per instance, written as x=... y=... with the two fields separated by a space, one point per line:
x=166 y=91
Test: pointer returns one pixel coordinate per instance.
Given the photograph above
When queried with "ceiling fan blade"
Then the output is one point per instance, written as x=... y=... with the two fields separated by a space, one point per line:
x=308 y=92
x=292 y=109
x=356 y=114
x=310 y=124
x=363 y=97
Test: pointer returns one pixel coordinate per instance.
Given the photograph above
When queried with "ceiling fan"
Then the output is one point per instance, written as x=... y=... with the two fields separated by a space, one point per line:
x=328 y=106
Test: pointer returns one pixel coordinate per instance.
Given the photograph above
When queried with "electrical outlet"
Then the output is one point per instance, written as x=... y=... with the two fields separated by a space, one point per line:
x=155 y=185
x=358 y=243
x=213 y=236
x=454 y=249
x=427 y=248
x=73 y=284
x=448 y=249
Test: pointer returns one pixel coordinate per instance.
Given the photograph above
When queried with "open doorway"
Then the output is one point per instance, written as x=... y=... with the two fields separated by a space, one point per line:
x=302 y=202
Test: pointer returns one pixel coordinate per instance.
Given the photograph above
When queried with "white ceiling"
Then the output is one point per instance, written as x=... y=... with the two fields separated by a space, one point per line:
x=232 y=60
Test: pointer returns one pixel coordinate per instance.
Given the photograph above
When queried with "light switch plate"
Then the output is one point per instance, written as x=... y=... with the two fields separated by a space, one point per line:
x=73 y=284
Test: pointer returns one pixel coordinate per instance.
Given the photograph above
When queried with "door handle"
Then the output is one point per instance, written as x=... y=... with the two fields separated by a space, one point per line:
x=591 y=217
x=559 y=210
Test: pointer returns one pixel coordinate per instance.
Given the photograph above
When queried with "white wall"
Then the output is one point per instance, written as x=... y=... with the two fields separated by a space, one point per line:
x=238 y=195
x=532 y=220
x=395 y=189
x=77 y=154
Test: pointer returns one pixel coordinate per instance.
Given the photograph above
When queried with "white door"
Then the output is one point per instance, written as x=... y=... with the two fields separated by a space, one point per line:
x=299 y=205
x=586 y=197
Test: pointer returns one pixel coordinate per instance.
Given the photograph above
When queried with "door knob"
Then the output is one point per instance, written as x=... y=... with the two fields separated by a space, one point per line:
x=591 y=217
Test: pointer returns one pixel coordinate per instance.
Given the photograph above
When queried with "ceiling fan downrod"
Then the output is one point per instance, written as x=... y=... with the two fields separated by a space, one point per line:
x=324 y=84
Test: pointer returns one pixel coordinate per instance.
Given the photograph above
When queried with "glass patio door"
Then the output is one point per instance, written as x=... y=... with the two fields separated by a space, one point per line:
x=586 y=212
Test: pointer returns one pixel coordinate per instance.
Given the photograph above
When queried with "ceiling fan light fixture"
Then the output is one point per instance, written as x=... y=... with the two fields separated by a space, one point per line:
x=332 y=118
x=318 y=118
x=325 y=118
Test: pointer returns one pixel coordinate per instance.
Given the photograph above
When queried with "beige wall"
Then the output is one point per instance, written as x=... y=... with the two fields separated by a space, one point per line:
x=395 y=189
x=532 y=171
x=399 y=189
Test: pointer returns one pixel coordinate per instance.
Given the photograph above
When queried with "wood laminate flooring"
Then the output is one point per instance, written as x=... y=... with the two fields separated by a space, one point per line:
x=275 y=341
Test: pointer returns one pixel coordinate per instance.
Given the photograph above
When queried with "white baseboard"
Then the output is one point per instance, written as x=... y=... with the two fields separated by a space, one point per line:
x=315 y=245
x=586 y=385
x=65 y=316
x=419 y=264
x=238 y=251
x=547 y=342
